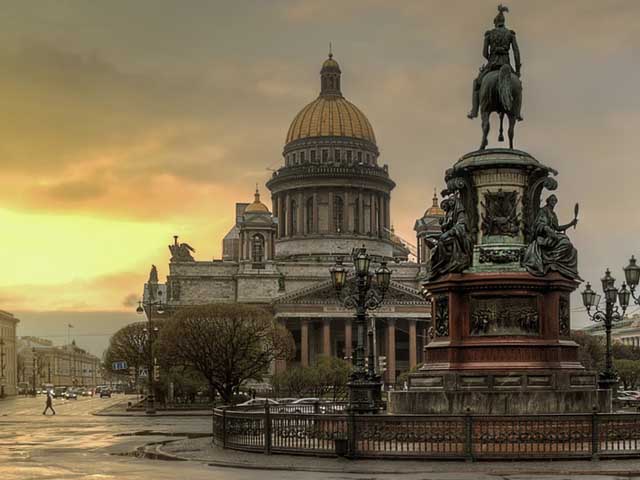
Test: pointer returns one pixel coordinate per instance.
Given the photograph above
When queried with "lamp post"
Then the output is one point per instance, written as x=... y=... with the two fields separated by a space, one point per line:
x=148 y=307
x=35 y=362
x=364 y=384
x=590 y=299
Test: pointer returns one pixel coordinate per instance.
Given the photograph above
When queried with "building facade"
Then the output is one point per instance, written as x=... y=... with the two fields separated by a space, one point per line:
x=627 y=331
x=8 y=355
x=41 y=362
x=330 y=195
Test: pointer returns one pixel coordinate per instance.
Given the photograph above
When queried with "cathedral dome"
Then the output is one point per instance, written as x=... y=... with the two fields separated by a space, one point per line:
x=330 y=115
x=257 y=206
x=434 y=210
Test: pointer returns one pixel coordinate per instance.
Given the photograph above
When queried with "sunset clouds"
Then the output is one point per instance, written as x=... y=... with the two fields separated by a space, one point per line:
x=124 y=123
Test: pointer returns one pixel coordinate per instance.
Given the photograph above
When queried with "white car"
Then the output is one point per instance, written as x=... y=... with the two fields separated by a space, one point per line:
x=258 y=402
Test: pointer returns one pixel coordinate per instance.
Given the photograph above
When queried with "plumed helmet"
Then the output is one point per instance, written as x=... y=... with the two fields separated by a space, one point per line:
x=499 y=21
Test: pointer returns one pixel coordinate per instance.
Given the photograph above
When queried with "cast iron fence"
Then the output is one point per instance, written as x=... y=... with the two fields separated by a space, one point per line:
x=471 y=437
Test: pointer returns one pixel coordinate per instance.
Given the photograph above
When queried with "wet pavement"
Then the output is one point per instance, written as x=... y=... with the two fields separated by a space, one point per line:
x=75 y=444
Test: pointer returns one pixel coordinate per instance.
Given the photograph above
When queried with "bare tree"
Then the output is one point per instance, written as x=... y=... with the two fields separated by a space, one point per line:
x=227 y=343
x=130 y=344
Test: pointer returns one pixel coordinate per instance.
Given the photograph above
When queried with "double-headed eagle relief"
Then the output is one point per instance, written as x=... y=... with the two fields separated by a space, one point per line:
x=497 y=87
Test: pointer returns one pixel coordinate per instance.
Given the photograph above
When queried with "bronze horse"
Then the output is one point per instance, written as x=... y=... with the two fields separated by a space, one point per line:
x=500 y=92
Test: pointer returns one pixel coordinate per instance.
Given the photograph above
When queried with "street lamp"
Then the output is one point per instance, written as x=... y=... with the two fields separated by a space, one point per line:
x=590 y=299
x=149 y=306
x=632 y=276
x=364 y=384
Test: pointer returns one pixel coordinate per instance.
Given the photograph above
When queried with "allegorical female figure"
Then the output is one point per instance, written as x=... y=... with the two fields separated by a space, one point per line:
x=453 y=251
x=551 y=249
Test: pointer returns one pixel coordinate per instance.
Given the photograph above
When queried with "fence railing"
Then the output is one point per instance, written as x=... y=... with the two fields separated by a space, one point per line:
x=276 y=430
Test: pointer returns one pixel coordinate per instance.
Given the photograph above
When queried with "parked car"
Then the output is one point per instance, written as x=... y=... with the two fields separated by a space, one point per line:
x=105 y=392
x=258 y=402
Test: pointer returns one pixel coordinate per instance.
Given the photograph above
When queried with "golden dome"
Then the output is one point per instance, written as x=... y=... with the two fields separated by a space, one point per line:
x=257 y=206
x=330 y=115
x=434 y=210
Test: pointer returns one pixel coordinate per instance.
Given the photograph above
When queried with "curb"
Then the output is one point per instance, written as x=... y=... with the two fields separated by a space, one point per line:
x=295 y=468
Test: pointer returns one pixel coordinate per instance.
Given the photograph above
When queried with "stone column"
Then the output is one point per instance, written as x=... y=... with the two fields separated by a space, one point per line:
x=304 y=343
x=287 y=219
x=360 y=213
x=281 y=363
x=391 y=351
x=316 y=219
x=332 y=228
x=387 y=211
x=326 y=336
x=372 y=214
x=346 y=221
x=279 y=214
x=300 y=219
x=413 y=357
x=347 y=337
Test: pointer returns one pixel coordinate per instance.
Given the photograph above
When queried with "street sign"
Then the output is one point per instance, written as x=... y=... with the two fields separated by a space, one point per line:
x=144 y=372
x=119 y=366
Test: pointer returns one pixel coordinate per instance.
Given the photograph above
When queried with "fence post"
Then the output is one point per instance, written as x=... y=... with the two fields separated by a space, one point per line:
x=351 y=434
x=595 y=435
x=267 y=428
x=224 y=427
x=468 y=436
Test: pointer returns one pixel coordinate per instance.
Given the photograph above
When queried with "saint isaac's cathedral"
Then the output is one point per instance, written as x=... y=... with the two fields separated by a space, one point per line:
x=331 y=194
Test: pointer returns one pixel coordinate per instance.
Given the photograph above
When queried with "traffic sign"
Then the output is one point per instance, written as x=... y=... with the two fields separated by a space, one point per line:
x=119 y=366
x=144 y=372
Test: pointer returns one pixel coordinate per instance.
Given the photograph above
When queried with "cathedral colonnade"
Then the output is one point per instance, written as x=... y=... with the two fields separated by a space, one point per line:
x=397 y=339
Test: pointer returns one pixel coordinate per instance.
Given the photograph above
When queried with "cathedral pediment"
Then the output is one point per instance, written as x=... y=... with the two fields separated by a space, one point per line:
x=323 y=293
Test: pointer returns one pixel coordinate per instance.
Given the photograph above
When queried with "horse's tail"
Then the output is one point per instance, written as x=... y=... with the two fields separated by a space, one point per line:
x=504 y=87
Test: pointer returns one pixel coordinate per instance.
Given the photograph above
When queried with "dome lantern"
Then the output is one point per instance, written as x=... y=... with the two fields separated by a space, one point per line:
x=330 y=77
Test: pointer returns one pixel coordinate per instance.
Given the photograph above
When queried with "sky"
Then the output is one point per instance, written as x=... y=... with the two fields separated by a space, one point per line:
x=125 y=123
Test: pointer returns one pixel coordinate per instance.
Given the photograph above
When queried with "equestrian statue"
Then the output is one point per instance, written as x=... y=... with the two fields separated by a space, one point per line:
x=497 y=87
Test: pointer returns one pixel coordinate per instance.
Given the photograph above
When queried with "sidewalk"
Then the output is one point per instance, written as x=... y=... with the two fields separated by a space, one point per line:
x=120 y=410
x=202 y=450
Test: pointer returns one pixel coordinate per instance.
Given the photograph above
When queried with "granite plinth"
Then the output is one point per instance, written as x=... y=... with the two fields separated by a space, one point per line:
x=498 y=392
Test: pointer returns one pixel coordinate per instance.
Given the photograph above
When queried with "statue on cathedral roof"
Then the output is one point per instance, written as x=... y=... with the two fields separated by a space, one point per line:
x=181 y=252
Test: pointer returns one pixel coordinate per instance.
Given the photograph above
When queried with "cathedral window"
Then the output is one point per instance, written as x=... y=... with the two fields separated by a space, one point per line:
x=338 y=214
x=325 y=155
x=313 y=156
x=295 y=162
x=294 y=217
x=368 y=158
x=359 y=158
x=257 y=248
x=302 y=157
x=337 y=155
x=349 y=157
x=310 y=215
x=283 y=220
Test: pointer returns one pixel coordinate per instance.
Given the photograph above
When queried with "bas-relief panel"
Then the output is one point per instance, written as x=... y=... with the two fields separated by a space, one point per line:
x=490 y=316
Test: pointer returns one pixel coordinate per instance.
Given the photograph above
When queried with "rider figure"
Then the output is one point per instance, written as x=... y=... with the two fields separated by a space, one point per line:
x=496 y=50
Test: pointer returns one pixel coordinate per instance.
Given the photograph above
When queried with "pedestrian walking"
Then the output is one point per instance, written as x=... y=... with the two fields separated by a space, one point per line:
x=49 y=404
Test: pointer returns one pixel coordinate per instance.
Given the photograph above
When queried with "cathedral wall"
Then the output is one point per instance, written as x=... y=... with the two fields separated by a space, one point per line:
x=257 y=289
x=215 y=268
x=206 y=290
x=327 y=244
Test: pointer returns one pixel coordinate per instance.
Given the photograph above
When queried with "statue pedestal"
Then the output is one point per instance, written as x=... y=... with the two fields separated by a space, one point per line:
x=500 y=343
x=500 y=336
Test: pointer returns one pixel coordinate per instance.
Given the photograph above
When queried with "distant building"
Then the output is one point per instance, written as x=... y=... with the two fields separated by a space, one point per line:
x=8 y=356
x=627 y=331
x=330 y=196
x=67 y=365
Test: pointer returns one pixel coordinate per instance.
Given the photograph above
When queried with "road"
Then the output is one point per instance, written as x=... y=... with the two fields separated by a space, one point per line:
x=74 y=444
